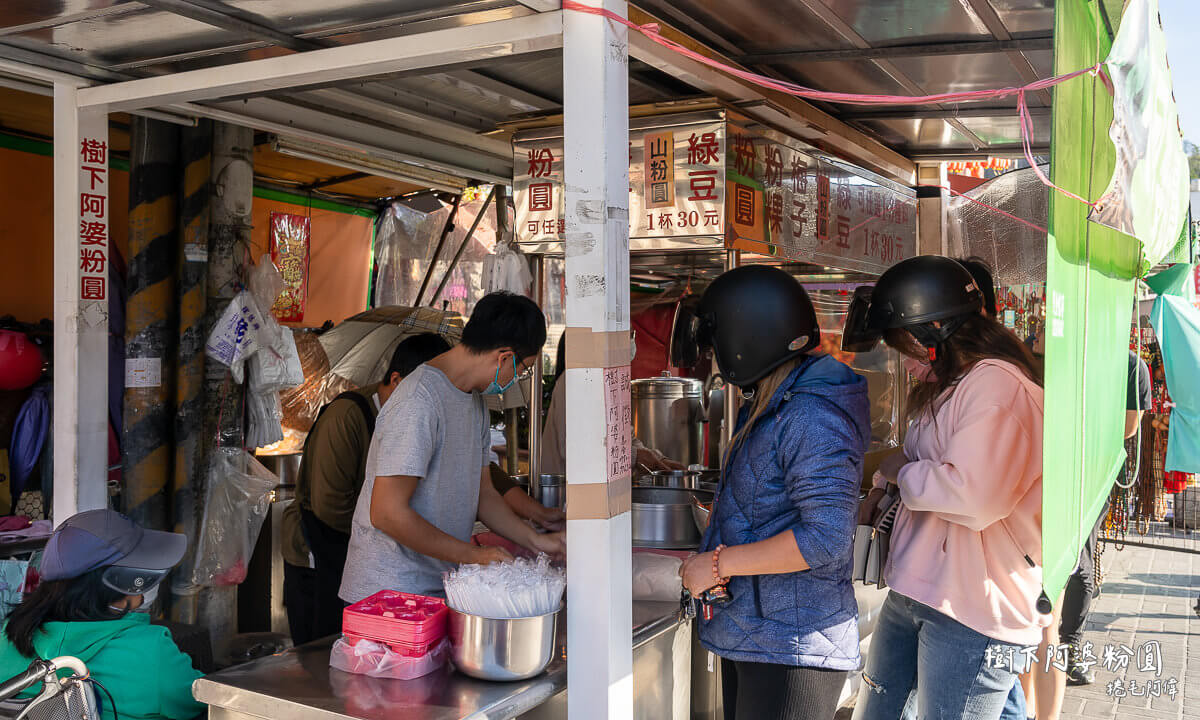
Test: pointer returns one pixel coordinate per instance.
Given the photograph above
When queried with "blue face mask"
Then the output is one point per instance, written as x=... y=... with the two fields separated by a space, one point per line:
x=495 y=388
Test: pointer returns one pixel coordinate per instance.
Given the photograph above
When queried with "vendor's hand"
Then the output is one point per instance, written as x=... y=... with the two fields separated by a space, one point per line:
x=890 y=467
x=868 y=509
x=553 y=544
x=697 y=574
x=551 y=519
x=488 y=554
x=655 y=461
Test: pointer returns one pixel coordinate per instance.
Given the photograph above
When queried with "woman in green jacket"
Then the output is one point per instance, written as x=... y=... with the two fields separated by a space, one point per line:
x=100 y=573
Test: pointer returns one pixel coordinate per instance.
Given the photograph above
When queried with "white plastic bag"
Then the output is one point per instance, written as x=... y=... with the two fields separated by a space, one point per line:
x=656 y=577
x=266 y=418
x=277 y=366
x=235 y=505
x=367 y=657
x=506 y=269
x=237 y=335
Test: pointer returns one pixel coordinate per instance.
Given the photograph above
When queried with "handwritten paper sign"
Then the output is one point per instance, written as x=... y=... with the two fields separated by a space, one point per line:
x=618 y=412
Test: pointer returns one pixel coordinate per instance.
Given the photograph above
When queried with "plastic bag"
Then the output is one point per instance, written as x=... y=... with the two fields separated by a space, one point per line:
x=277 y=366
x=506 y=270
x=367 y=657
x=235 y=505
x=656 y=577
x=238 y=334
x=266 y=416
x=265 y=283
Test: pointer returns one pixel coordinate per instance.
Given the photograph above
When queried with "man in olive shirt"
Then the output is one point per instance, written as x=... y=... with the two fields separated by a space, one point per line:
x=317 y=523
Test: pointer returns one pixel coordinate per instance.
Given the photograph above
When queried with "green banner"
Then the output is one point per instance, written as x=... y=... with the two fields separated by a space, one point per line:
x=1089 y=302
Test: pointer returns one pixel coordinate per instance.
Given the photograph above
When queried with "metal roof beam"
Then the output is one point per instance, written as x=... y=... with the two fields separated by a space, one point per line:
x=219 y=16
x=991 y=21
x=940 y=113
x=835 y=22
x=470 y=43
x=900 y=51
x=542 y=5
x=1008 y=150
x=792 y=114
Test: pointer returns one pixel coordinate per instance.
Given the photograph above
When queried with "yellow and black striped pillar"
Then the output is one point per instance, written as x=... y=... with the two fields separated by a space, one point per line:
x=192 y=293
x=151 y=325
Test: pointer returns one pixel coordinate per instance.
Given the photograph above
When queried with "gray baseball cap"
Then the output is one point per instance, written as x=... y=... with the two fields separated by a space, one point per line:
x=106 y=538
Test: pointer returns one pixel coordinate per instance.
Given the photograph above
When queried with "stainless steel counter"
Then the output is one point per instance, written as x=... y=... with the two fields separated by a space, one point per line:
x=300 y=684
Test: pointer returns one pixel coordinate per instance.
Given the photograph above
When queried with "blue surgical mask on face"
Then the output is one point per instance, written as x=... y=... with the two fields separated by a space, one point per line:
x=495 y=388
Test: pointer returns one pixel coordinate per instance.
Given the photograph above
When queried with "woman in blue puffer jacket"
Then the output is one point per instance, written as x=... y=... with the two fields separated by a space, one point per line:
x=781 y=534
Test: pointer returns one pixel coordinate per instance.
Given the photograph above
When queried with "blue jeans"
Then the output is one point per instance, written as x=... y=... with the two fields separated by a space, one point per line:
x=924 y=665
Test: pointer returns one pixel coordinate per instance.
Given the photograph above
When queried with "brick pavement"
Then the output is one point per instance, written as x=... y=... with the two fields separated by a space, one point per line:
x=1148 y=596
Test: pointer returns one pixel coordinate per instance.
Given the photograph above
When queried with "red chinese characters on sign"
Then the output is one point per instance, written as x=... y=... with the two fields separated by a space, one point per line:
x=799 y=177
x=93 y=219
x=743 y=204
x=541 y=197
x=703 y=185
x=744 y=155
x=775 y=212
x=843 y=232
x=91 y=288
x=289 y=242
x=703 y=150
x=773 y=166
x=541 y=162
x=822 y=207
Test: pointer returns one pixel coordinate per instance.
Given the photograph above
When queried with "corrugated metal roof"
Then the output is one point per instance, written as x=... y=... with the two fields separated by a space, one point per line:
x=866 y=46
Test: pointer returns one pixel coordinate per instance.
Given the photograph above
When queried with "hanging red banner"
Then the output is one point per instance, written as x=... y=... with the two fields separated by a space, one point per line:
x=289 y=251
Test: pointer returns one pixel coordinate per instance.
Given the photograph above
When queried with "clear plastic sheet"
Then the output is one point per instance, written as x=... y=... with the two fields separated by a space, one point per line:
x=237 y=501
x=881 y=366
x=1016 y=251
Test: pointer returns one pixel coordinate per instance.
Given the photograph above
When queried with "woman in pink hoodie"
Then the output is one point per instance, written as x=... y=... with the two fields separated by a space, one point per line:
x=965 y=562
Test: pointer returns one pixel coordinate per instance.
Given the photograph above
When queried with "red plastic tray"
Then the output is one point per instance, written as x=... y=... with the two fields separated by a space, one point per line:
x=397 y=618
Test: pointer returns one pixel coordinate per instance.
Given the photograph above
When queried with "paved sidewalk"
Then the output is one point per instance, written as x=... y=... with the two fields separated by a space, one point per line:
x=1148 y=597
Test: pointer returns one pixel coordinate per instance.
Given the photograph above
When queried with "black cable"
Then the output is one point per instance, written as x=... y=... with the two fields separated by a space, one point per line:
x=97 y=683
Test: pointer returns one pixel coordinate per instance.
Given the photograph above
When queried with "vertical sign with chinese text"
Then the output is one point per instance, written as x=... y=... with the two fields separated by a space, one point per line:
x=289 y=247
x=659 y=149
x=93 y=219
x=618 y=410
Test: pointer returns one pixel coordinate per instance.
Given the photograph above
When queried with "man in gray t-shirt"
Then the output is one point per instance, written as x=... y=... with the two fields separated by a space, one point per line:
x=427 y=476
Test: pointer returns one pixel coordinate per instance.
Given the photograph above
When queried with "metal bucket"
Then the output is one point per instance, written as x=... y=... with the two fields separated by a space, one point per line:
x=662 y=517
x=669 y=415
x=502 y=649
x=554 y=489
x=686 y=479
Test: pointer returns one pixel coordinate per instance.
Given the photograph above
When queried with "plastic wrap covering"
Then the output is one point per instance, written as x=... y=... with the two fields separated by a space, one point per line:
x=511 y=589
x=1015 y=250
x=465 y=286
x=403 y=244
x=238 y=497
x=881 y=367
x=354 y=354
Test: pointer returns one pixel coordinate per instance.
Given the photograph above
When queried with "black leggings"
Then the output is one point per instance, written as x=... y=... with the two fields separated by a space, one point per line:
x=765 y=691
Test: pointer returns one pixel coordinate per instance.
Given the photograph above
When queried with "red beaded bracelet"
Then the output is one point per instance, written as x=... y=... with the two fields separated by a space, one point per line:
x=716 y=566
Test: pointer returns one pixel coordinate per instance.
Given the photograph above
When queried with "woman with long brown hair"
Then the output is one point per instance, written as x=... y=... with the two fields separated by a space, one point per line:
x=964 y=567
x=779 y=544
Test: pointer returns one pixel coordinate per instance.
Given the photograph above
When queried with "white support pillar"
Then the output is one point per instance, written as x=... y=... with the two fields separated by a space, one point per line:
x=81 y=292
x=599 y=565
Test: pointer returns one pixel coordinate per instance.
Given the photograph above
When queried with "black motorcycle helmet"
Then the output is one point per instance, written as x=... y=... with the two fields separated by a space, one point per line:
x=913 y=294
x=755 y=318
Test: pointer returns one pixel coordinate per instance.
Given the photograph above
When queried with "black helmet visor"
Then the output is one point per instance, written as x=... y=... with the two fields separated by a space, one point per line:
x=858 y=336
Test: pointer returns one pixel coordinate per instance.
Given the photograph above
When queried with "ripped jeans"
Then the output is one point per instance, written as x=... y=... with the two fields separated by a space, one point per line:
x=924 y=665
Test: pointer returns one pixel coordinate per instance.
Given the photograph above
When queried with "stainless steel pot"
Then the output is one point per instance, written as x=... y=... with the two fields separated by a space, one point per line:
x=668 y=416
x=553 y=489
x=502 y=649
x=686 y=479
x=662 y=517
